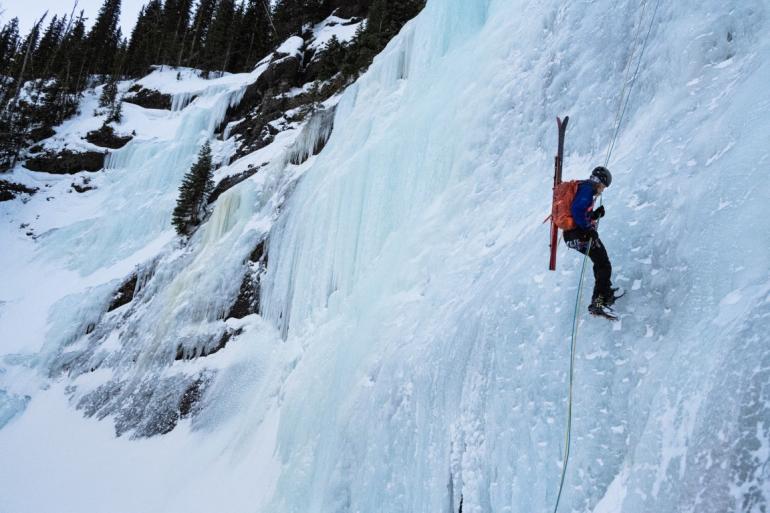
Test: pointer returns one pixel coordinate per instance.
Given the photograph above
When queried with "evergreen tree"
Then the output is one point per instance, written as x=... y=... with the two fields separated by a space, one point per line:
x=109 y=93
x=219 y=39
x=253 y=38
x=175 y=22
x=46 y=110
x=72 y=60
x=49 y=45
x=17 y=116
x=331 y=58
x=119 y=59
x=144 y=45
x=193 y=193
x=198 y=32
x=9 y=45
x=104 y=38
x=290 y=16
x=115 y=114
x=385 y=19
x=8 y=139
x=23 y=66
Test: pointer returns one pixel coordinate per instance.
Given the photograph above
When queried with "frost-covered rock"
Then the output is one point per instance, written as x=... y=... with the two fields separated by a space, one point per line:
x=66 y=161
x=107 y=138
x=148 y=98
x=10 y=190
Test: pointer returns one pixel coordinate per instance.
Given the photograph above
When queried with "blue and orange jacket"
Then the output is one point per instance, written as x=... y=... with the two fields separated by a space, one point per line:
x=583 y=204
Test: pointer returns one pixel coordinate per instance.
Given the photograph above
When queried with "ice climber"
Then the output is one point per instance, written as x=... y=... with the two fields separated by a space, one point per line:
x=585 y=238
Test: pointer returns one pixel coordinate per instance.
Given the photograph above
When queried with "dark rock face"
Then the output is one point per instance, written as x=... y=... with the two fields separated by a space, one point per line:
x=66 y=162
x=148 y=98
x=9 y=190
x=247 y=301
x=40 y=133
x=191 y=397
x=107 y=138
x=124 y=294
x=212 y=347
x=265 y=102
x=150 y=408
x=248 y=297
x=281 y=74
x=83 y=186
x=231 y=181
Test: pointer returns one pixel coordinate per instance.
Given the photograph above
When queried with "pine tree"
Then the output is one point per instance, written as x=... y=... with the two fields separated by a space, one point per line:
x=9 y=45
x=49 y=45
x=17 y=116
x=290 y=16
x=385 y=19
x=104 y=38
x=72 y=61
x=193 y=193
x=109 y=93
x=115 y=114
x=144 y=45
x=23 y=66
x=175 y=22
x=331 y=58
x=198 y=32
x=253 y=38
x=219 y=39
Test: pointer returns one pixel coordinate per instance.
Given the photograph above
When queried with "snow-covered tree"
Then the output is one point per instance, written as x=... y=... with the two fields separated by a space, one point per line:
x=193 y=193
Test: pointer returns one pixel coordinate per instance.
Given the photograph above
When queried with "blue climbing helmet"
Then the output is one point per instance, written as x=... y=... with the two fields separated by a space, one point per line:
x=601 y=175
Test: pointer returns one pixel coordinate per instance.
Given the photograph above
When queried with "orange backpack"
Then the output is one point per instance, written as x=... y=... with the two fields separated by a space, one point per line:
x=561 y=211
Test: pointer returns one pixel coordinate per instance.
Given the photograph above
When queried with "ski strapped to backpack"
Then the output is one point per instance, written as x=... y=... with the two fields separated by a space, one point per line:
x=558 y=160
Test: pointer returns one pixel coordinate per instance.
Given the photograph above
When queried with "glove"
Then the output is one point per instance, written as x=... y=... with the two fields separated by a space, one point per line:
x=598 y=213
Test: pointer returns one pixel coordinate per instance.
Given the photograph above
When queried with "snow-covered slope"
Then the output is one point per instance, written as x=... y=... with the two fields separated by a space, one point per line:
x=412 y=347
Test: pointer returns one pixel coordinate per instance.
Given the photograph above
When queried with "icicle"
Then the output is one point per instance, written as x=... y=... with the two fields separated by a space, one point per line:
x=224 y=217
x=313 y=136
x=181 y=100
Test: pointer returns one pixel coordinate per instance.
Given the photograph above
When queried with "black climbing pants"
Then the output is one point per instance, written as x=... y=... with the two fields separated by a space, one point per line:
x=578 y=239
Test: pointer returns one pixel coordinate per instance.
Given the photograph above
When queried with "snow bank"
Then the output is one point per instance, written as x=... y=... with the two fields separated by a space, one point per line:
x=292 y=46
x=333 y=26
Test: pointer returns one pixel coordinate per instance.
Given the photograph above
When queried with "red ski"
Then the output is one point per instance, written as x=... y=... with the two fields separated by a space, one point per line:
x=558 y=160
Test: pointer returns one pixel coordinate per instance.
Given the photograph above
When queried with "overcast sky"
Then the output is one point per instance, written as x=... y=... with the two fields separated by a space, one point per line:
x=30 y=10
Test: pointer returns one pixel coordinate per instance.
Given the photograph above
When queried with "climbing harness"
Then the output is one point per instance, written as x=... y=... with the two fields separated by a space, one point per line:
x=618 y=120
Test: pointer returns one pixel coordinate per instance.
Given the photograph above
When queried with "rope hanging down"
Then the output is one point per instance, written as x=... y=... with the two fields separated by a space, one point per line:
x=618 y=120
x=633 y=79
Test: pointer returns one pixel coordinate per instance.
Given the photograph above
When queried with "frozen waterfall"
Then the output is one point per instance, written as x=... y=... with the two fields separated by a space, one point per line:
x=411 y=349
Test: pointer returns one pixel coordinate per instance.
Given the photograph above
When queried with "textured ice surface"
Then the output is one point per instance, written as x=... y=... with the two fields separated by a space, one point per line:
x=413 y=348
